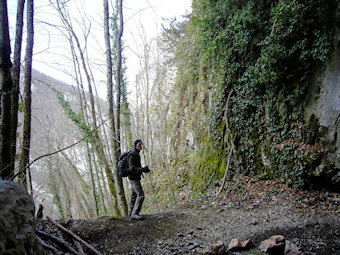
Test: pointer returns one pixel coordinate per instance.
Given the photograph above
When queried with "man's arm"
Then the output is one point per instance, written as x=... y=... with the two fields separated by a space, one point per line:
x=133 y=166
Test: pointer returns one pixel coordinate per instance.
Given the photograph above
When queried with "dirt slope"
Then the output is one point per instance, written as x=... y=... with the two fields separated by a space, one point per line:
x=251 y=209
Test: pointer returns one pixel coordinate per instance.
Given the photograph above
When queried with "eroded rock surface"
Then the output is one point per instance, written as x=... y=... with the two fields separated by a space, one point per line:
x=17 y=234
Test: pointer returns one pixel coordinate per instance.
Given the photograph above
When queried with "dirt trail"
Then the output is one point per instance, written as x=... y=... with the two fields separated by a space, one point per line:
x=310 y=220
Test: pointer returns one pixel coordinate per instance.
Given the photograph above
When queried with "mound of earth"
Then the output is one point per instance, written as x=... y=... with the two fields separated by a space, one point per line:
x=249 y=209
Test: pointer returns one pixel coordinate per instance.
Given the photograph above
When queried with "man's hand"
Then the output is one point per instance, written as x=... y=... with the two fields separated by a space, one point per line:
x=146 y=169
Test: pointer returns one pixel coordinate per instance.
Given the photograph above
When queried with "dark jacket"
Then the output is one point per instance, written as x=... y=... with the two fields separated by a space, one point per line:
x=135 y=165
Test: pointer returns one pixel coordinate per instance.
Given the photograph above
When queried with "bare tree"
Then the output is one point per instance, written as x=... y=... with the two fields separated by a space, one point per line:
x=115 y=129
x=16 y=78
x=119 y=66
x=6 y=86
x=26 y=142
x=99 y=147
x=83 y=109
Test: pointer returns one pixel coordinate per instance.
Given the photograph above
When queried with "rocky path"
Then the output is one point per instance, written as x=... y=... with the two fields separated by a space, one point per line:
x=309 y=220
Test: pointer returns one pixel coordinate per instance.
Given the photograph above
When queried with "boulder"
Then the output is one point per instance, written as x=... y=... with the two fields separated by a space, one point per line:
x=235 y=245
x=218 y=248
x=248 y=244
x=274 y=245
x=17 y=234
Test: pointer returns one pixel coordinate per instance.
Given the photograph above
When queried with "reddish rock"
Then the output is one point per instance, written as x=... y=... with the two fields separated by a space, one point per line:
x=248 y=244
x=218 y=248
x=274 y=245
x=235 y=245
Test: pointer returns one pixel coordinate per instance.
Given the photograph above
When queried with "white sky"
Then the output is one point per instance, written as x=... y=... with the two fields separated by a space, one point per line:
x=50 y=49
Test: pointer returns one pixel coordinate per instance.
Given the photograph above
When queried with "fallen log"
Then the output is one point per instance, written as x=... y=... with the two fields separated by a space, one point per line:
x=90 y=247
x=59 y=241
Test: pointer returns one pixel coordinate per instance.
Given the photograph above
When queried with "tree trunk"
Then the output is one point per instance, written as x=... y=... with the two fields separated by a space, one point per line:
x=90 y=157
x=27 y=93
x=83 y=108
x=115 y=138
x=66 y=192
x=54 y=190
x=6 y=86
x=16 y=79
x=119 y=95
x=98 y=146
x=105 y=212
x=119 y=68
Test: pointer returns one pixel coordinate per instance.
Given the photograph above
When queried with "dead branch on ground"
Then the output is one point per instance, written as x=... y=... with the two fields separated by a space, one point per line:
x=59 y=241
x=48 y=247
x=74 y=236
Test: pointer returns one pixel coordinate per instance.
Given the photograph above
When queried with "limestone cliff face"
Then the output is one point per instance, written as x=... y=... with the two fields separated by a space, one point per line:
x=323 y=108
x=328 y=105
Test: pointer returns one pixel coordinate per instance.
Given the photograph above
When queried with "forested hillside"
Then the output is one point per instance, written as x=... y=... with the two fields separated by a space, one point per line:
x=59 y=180
x=230 y=115
x=237 y=88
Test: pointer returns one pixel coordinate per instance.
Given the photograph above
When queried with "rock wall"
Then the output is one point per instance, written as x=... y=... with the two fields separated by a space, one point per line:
x=17 y=234
x=328 y=107
x=324 y=107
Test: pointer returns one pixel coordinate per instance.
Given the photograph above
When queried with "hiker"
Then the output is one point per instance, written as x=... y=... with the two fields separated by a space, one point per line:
x=137 y=193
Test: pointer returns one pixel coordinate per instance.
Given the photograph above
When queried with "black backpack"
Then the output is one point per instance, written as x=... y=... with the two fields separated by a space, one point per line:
x=123 y=165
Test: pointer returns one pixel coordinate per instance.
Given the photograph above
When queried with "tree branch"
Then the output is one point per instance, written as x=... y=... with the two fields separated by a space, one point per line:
x=48 y=247
x=74 y=236
x=58 y=240
x=55 y=152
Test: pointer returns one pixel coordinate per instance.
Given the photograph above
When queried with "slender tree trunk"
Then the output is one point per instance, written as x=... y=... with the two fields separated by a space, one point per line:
x=16 y=79
x=83 y=108
x=126 y=117
x=94 y=191
x=147 y=83
x=6 y=87
x=114 y=133
x=138 y=117
x=67 y=198
x=105 y=188
x=119 y=68
x=82 y=210
x=27 y=93
x=101 y=191
x=91 y=160
x=98 y=146
x=76 y=171
x=119 y=95
x=53 y=188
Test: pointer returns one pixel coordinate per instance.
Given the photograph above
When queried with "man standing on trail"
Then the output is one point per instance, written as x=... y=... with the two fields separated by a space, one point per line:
x=137 y=193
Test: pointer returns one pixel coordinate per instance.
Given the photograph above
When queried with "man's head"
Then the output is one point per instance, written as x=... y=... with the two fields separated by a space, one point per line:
x=138 y=144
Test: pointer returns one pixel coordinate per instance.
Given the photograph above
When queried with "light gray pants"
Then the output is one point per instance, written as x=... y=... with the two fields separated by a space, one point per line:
x=137 y=197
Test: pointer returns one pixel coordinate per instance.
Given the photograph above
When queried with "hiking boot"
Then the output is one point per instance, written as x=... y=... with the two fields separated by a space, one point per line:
x=136 y=217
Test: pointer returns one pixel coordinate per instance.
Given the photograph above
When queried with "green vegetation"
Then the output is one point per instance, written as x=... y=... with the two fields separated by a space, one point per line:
x=267 y=52
x=77 y=119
